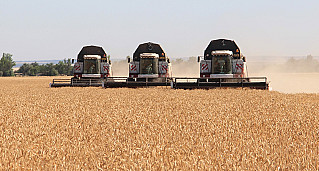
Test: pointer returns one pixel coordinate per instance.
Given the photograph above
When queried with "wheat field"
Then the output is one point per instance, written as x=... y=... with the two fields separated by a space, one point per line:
x=155 y=128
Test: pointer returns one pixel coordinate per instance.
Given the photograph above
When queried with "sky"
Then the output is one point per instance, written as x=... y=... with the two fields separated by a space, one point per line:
x=58 y=29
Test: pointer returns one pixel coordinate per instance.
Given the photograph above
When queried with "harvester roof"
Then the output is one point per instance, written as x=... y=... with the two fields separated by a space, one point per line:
x=148 y=48
x=222 y=44
x=91 y=50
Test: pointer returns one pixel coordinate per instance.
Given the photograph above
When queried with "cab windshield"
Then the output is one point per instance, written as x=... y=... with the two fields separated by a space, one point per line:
x=149 y=65
x=222 y=65
x=91 y=66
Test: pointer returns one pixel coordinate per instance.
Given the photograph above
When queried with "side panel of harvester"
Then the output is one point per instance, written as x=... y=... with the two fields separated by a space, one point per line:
x=92 y=62
x=134 y=69
x=165 y=69
x=239 y=68
x=150 y=61
x=205 y=68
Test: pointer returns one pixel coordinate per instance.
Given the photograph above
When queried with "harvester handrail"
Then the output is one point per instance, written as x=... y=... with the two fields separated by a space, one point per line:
x=61 y=80
x=208 y=82
x=197 y=78
x=116 y=77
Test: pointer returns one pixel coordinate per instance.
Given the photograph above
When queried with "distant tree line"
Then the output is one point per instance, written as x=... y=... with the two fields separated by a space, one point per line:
x=34 y=69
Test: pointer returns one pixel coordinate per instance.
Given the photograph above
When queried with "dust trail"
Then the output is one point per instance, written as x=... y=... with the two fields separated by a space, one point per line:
x=120 y=68
x=293 y=82
x=185 y=67
x=289 y=76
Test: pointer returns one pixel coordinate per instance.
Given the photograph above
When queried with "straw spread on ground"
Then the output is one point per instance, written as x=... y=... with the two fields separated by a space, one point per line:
x=155 y=128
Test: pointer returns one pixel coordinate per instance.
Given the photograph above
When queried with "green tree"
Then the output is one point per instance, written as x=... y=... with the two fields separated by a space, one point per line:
x=24 y=69
x=29 y=69
x=6 y=64
x=34 y=69
x=49 y=70
x=64 y=67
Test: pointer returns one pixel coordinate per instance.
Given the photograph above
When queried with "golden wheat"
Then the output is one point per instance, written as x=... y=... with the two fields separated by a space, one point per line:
x=155 y=128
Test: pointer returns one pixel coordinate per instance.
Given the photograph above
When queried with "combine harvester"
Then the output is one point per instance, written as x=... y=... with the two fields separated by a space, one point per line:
x=223 y=66
x=91 y=68
x=150 y=67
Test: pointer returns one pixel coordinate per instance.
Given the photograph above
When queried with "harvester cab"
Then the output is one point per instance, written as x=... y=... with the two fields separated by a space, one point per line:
x=92 y=66
x=222 y=59
x=92 y=62
x=221 y=63
x=149 y=63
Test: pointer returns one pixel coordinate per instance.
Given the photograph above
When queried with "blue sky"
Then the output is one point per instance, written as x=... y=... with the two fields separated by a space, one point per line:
x=56 y=29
